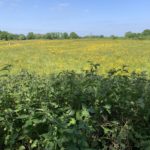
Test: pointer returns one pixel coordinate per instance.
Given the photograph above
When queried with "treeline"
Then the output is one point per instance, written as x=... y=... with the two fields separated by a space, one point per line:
x=144 y=35
x=4 y=35
x=102 y=36
x=128 y=35
x=30 y=36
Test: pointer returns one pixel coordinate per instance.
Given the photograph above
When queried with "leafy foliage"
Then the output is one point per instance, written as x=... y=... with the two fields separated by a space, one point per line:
x=73 y=111
x=30 y=36
x=4 y=35
x=144 y=35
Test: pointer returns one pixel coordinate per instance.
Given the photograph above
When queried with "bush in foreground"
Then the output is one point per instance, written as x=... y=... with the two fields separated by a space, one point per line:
x=73 y=111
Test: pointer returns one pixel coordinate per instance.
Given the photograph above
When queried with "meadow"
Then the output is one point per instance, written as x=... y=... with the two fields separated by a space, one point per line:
x=53 y=56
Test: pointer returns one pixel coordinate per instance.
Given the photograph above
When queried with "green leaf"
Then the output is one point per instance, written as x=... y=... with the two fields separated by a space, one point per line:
x=34 y=144
x=72 y=122
x=22 y=117
x=107 y=108
x=85 y=113
x=106 y=130
x=22 y=148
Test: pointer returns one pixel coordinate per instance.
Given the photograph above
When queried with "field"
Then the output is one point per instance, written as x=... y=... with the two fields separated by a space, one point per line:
x=74 y=110
x=51 y=56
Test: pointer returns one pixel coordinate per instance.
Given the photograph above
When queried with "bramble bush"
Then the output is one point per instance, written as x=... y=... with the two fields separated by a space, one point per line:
x=72 y=111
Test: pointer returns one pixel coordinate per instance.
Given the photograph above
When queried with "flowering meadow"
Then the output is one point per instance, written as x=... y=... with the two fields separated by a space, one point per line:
x=53 y=56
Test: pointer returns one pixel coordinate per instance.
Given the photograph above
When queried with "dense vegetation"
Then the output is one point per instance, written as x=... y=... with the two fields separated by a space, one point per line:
x=30 y=36
x=72 y=111
x=4 y=35
x=144 y=35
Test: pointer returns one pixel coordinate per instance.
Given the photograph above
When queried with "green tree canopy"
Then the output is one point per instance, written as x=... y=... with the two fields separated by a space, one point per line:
x=30 y=36
x=74 y=35
x=146 y=32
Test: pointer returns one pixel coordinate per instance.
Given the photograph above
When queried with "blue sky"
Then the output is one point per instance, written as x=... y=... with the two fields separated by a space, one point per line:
x=82 y=16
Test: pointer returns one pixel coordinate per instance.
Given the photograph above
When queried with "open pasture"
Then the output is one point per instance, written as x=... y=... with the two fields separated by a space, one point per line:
x=52 y=56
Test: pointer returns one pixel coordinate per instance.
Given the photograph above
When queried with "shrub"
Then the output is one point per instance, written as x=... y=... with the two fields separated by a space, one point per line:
x=75 y=111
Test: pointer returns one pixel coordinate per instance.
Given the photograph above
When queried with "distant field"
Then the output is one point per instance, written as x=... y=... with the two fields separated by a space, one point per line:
x=51 y=56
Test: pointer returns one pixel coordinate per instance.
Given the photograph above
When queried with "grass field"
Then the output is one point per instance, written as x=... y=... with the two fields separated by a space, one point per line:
x=45 y=56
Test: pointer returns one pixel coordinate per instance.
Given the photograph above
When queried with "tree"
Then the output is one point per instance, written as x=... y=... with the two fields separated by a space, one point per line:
x=65 y=35
x=30 y=36
x=101 y=36
x=139 y=36
x=48 y=36
x=38 y=36
x=113 y=37
x=131 y=35
x=74 y=35
x=146 y=32
x=21 y=37
x=10 y=36
x=4 y=35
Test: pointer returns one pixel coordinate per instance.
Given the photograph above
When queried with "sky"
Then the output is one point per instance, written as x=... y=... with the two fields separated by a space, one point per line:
x=86 y=17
